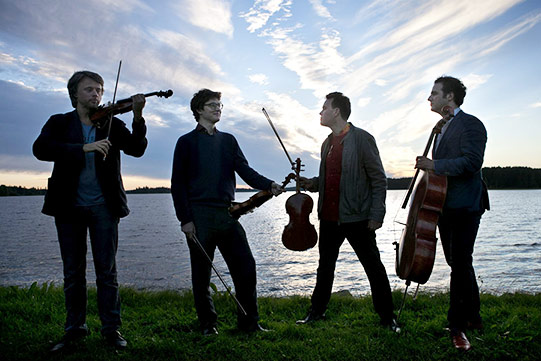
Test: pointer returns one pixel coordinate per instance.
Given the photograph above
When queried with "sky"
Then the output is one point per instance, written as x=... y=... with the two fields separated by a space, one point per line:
x=281 y=55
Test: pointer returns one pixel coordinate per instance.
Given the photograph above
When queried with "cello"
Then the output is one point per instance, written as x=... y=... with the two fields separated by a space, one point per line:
x=299 y=234
x=416 y=251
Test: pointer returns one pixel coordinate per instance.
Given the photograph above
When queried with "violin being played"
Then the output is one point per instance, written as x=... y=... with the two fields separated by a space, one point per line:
x=102 y=114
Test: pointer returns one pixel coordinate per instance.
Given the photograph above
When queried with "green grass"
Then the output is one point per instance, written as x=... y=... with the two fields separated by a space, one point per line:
x=163 y=326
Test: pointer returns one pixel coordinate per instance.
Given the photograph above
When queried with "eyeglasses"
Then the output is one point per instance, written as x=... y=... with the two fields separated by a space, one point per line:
x=215 y=105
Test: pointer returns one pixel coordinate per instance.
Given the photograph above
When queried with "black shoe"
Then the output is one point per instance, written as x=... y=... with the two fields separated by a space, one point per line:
x=210 y=331
x=254 y=328
x=311 y=317
x=116 y=340
x=70 y=338
x=392 y=325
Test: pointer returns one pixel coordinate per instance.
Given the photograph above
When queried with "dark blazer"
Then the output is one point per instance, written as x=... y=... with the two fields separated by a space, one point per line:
x=459 y=156
x=61 y=141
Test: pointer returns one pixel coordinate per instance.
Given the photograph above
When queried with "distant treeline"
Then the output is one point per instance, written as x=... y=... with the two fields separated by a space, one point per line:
x=495 y=177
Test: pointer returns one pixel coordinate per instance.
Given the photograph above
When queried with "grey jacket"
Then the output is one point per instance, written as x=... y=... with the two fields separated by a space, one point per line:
x=363 y=183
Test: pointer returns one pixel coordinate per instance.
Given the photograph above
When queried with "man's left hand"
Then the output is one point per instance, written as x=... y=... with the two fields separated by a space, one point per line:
x=138 y=105
x=373 y=225
x=424 y=163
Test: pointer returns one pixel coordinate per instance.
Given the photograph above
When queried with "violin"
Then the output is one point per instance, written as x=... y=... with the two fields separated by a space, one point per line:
x=239 y=209
x=299 y=234
x=416 y=251
x=104 y=112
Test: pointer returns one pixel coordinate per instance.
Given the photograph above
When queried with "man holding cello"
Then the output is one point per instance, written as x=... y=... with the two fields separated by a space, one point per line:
x=458 y=154
x=352 y=188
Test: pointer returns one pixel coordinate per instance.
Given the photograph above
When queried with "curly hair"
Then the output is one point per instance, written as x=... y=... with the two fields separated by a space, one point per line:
x=200 y=98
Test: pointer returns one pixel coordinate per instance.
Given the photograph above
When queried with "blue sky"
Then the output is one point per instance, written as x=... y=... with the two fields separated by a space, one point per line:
x=284 y=55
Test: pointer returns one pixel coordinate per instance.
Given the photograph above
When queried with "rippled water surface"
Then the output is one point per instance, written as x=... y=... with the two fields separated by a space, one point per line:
x=153 y=253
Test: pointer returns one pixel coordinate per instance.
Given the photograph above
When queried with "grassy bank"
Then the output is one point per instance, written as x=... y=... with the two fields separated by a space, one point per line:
x=163 y=326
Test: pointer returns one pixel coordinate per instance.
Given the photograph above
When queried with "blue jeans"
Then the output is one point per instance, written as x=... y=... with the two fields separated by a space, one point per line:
x=72 y=235
x=363 y=242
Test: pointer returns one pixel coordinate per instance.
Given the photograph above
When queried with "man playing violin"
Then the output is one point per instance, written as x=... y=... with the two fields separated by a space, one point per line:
x=458 y=154
x=85 y=193
x=352 y=188
x=203 y=187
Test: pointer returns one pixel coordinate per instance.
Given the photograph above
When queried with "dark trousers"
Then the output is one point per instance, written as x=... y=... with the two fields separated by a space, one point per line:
x=458 y=229
x=72 y=236
x=214 y=227
x=363 y=242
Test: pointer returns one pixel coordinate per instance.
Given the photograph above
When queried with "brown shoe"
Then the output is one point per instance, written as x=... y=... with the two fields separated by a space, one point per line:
x=460 y=341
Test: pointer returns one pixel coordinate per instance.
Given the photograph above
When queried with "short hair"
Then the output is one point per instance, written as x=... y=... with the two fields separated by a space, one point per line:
x=452 y=85
x=200 y=98
x=340 y=101
x=76 y=78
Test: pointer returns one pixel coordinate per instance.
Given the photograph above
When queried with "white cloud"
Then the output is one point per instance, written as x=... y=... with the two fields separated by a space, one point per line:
x=321 y=10
x=261 y=79
x=214 y=15
x=536 y=105
x=262 y=10
x=362 y=102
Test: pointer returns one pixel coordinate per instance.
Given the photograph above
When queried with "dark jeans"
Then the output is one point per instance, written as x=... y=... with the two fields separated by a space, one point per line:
x=215 y=227
x=72 y=235
x=458 y=230
x=363 y=242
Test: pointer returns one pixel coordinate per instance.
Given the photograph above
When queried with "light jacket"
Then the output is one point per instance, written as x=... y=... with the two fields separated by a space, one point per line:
x=363 y=183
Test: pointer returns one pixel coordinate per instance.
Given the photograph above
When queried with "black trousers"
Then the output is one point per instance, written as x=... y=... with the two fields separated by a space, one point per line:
x=72 y=236
x=458 y=230
x=363 y=242
x=215 y=227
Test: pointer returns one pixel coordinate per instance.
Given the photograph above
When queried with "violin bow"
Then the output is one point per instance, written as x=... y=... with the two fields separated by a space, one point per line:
x=200 y=246
x=114 y=98
x=279 y=139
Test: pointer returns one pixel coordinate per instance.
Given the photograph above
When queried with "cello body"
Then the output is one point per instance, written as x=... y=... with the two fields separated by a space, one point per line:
x=299 y=234
x=416 y=251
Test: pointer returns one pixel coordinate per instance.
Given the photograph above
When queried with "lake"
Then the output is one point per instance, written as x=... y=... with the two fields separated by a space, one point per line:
x=153 y=253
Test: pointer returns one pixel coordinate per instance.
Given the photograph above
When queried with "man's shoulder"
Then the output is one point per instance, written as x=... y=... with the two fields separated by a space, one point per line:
x=359 y=132
x=68 y=115
x=468 y=120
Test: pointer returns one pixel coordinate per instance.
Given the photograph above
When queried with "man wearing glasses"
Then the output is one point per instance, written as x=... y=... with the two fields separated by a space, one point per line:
x=203 y=187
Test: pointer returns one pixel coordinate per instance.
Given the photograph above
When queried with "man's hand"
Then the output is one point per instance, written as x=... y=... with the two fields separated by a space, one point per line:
x=307 y=184
x=373 y=225
x=138 y=105
x=188 y=229
x=101 y=146
x=424 y=163
x=276 y=189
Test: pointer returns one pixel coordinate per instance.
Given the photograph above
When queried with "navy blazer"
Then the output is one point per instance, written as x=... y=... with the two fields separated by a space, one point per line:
x=61 y=141
x=459 y=156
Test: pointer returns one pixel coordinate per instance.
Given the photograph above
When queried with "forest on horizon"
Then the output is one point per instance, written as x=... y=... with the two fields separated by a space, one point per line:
x=495 y=177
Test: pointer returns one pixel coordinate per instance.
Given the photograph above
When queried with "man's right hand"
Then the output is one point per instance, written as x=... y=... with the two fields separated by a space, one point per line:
x=101 y=146
x=188 y=229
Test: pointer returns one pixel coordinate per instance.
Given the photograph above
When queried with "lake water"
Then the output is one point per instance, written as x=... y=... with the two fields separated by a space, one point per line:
x=153 y=253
